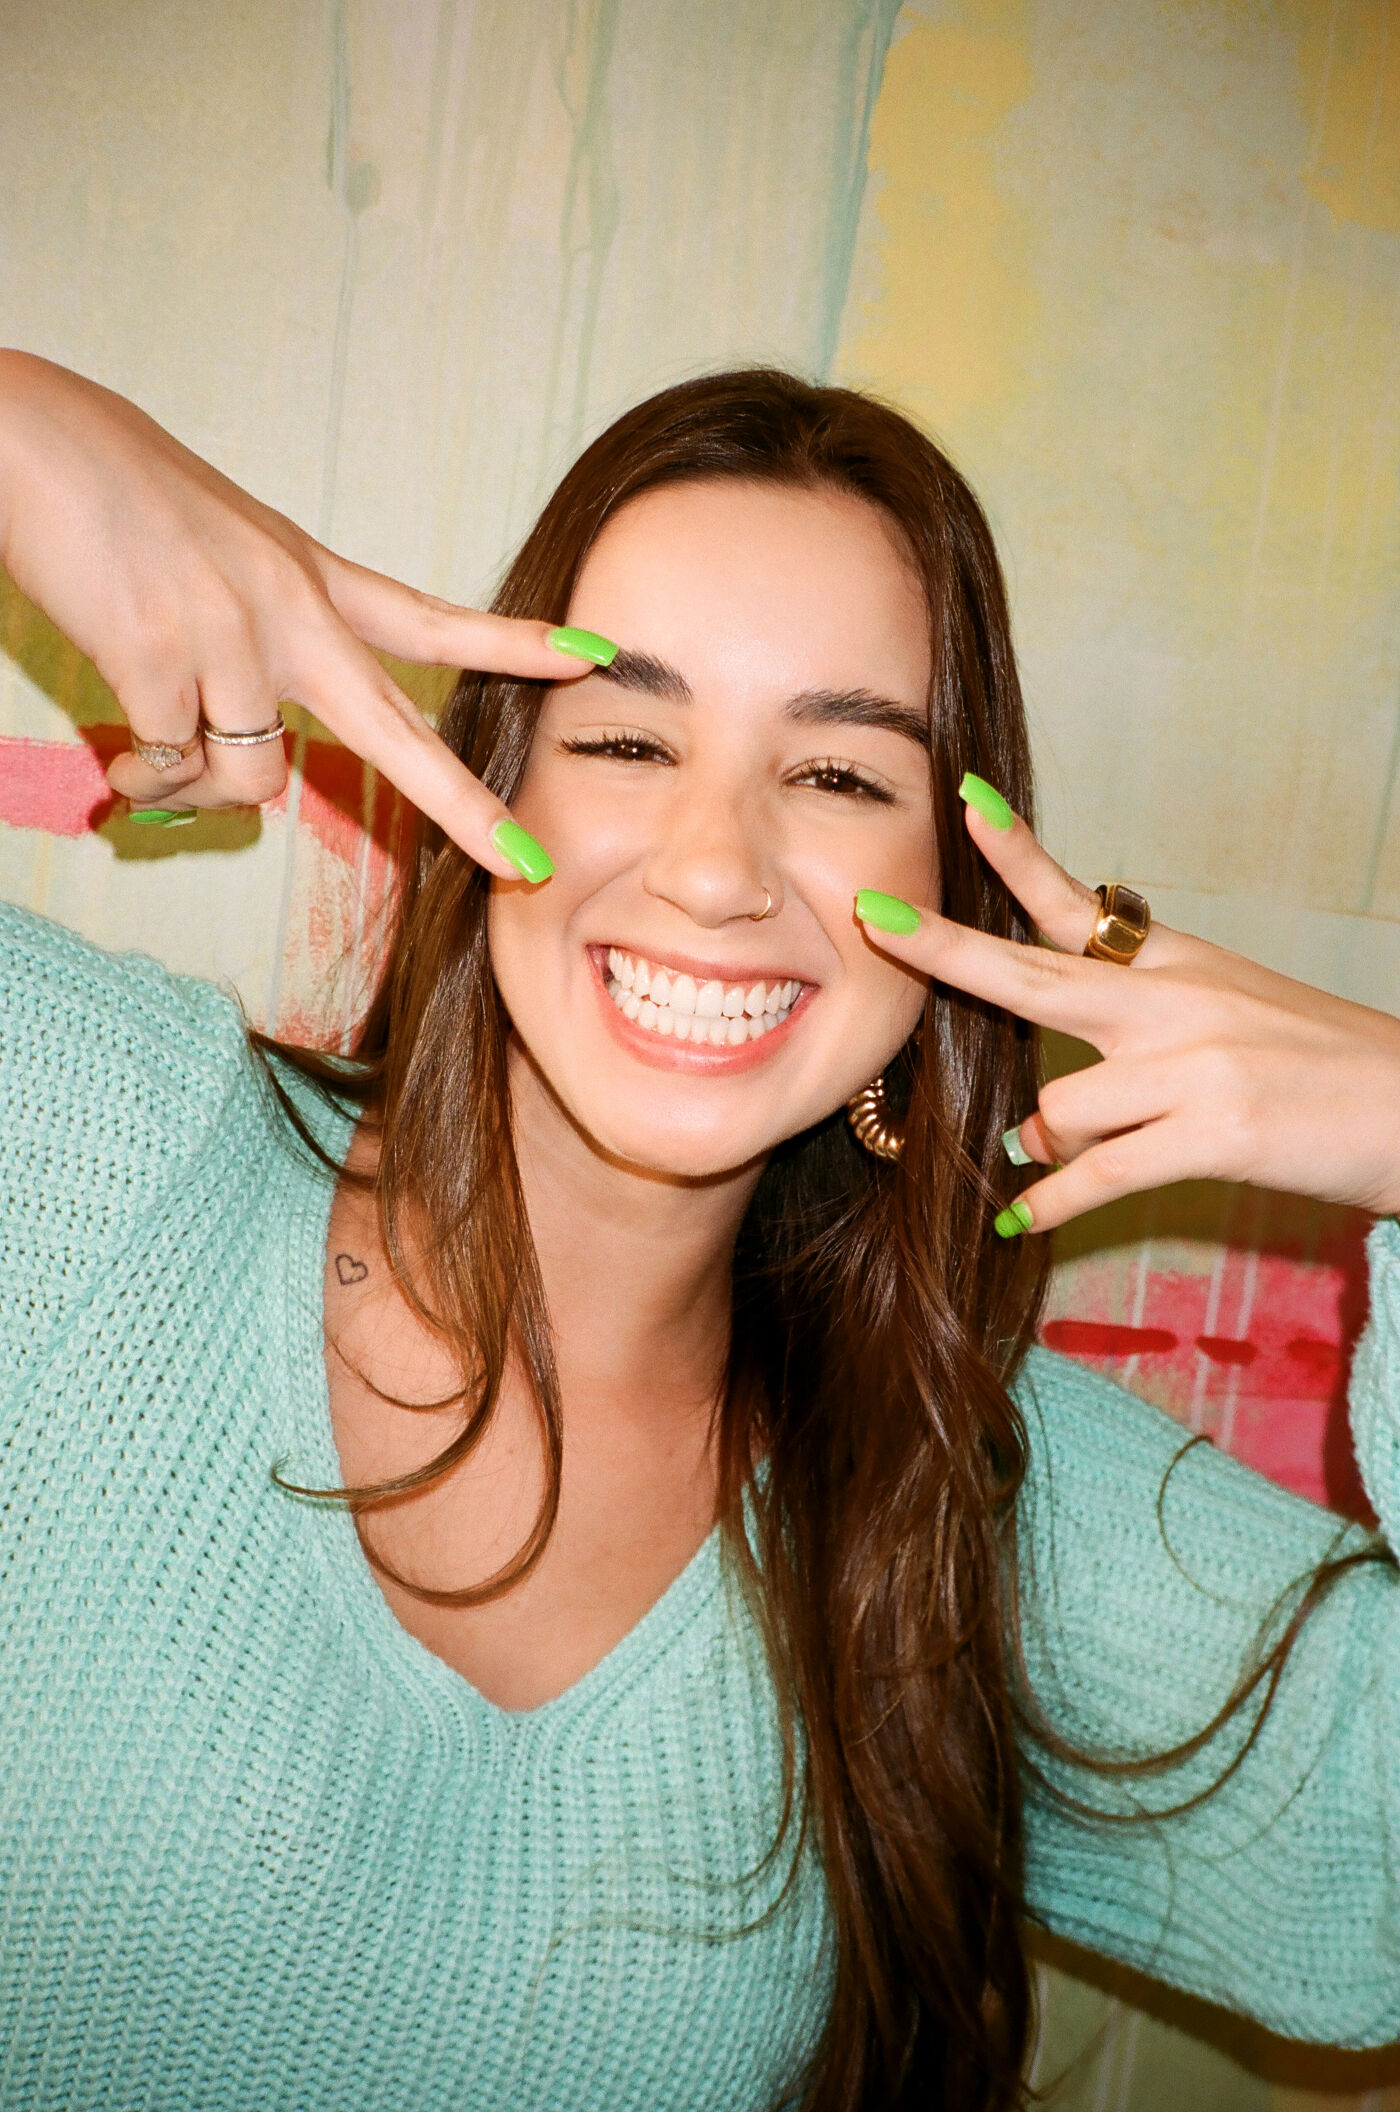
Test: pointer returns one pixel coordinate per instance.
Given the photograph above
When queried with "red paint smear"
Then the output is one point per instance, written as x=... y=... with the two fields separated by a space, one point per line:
x=1103 y=1338
x=1320 y=1362
x=1226 y=1349
x=61 y=787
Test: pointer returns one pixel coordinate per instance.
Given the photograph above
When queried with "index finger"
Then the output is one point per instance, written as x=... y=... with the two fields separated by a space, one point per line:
x=360 y=703
x=1075 y=996
x=416 y=626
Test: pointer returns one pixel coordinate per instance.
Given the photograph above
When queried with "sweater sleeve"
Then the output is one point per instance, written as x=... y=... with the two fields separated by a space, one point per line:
x=1149 y=1576
x=112 y=1073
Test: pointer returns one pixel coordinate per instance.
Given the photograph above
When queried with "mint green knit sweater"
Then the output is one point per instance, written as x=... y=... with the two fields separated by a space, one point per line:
x=260 y=1850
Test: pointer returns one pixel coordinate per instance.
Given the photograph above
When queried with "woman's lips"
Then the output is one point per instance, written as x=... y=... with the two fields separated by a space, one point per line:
x=665 y=1052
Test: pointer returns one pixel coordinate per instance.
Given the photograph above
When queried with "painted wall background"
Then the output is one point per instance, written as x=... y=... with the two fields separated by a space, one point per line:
x=389 y=262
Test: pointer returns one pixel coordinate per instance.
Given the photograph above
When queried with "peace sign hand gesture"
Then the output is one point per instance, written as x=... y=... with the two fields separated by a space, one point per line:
x=1213 y=1067
x=204 y=609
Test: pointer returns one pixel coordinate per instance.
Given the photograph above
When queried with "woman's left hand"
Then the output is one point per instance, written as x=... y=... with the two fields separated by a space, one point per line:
x=1213 y=1067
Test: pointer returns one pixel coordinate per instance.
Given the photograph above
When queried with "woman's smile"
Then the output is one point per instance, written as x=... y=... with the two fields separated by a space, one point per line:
x=688 y=1014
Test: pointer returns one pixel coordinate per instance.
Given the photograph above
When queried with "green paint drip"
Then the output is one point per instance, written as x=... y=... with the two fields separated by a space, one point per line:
x=864 y=50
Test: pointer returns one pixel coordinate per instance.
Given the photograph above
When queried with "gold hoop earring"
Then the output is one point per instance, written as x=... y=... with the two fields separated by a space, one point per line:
x=868 y=1113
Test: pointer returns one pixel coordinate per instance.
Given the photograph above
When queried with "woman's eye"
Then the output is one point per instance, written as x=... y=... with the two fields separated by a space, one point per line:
x=847 y=780
x=624 y=746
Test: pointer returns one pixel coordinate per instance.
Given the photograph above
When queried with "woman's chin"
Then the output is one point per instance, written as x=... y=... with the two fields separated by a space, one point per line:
x=666 y=1156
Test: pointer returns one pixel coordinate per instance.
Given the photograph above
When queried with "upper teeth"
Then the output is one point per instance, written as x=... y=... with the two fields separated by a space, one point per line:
x=667 y=1002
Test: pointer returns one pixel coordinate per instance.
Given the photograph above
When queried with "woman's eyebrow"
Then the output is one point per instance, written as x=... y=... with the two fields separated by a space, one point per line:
x=860 y=707
x=643 y=671
x=813 y=707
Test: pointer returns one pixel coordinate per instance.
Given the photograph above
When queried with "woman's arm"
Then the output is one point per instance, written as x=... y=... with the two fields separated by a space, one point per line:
x=193 y=600
x=1154 y=1573
x=1152 y=1578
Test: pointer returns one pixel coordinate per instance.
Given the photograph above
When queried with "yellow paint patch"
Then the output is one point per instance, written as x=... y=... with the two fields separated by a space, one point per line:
x=952 y=307
x=1349 y=63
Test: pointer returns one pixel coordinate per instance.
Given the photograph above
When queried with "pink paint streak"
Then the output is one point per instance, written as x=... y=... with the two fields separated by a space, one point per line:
x=1272 y=1391
x=61 y=788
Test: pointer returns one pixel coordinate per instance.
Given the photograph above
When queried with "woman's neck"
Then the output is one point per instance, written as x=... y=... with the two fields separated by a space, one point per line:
x=636 y=1266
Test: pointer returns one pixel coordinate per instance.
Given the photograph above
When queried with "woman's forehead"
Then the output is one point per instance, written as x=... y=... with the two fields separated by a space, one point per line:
x=729 y=567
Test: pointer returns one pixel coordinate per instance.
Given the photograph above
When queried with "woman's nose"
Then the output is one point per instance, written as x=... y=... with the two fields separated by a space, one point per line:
x=712 y=859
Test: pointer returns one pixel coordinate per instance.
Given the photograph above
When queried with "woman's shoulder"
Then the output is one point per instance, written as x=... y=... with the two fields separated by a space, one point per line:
x=58 y=985
x=114 y=1075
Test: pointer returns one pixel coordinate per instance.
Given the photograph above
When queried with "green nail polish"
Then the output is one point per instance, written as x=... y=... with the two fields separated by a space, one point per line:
x=1015 y=1219
x=517 y=844
x=584 y=645
x=161 y=817
x=987 y=800
x=887 y=912
x=1013 y=1147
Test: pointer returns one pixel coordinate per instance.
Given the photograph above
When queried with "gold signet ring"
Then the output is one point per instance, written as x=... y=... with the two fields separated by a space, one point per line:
x=1123 y=923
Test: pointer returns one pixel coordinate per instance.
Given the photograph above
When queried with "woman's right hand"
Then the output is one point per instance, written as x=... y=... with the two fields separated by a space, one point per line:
x=192 y=600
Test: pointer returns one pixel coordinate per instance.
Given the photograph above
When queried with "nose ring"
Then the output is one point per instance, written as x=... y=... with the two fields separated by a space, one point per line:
x=758 y=915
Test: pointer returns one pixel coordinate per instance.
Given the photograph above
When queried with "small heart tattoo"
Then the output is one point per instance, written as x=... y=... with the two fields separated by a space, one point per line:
x=349 y=1270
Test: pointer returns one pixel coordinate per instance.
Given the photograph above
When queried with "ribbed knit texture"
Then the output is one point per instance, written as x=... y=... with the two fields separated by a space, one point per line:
x=259 y=1849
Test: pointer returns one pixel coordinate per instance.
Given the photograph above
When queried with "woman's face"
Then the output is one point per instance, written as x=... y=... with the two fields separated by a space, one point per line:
x=761 y=735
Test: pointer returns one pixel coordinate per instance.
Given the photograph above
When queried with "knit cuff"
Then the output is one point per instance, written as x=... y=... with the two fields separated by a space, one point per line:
x=1375 y=1381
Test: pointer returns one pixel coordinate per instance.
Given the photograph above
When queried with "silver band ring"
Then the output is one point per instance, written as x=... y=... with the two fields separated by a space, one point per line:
x=162 y=755
x=274 y=732
x=1123 y=923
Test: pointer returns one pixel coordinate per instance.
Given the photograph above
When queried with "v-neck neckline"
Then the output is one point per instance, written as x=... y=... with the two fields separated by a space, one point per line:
x=350 y=1584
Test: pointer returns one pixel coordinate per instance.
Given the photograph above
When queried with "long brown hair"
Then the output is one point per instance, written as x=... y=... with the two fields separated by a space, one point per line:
x=877 y=1320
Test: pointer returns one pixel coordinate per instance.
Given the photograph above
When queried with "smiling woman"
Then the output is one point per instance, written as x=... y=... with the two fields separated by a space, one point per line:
x=812 y=649
x=627 y=1617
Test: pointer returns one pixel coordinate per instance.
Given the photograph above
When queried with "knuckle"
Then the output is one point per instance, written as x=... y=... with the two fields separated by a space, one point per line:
x=1110 y=1166
x=1041 y=969
x=1223 y=1079
x=1054 y=1102
x=230 y=624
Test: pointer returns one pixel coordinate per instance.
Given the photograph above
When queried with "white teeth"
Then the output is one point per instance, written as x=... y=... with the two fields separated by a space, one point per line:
x=662 y=1001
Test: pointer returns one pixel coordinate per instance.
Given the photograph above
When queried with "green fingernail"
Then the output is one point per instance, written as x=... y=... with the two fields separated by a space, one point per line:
x=1013 y=1147
x=887 y=912
x=517 y=844
x=584 y=645
x=161 y=817
x=987 y=800
x=1015 y=1219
